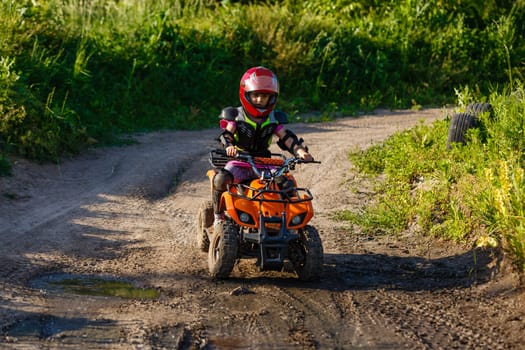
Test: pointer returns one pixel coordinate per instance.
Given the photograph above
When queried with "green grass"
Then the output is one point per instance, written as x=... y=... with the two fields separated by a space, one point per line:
x=79 y=73
x=470 y=193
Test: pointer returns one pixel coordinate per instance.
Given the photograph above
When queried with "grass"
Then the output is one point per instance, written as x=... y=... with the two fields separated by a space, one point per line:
x=74 y=73
x=470 y=193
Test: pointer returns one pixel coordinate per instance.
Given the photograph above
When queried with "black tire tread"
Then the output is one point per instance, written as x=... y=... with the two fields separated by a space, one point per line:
x=478 y=108
x=459 y=124
x=310 y=269
x=222 y=253
x=205 y=219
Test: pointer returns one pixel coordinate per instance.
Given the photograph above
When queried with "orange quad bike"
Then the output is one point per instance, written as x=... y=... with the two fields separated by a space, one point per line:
x=266 y=218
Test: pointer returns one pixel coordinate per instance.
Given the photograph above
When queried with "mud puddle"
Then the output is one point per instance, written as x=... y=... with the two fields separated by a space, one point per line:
x=91 y=285
x=68 y=320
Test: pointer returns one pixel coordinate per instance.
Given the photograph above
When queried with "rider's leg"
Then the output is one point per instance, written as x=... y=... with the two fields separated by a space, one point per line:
x=230 y=174
x=220 y=182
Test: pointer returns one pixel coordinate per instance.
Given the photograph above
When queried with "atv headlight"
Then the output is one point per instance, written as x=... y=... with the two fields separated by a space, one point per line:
x=245 y=218
x=297 y=220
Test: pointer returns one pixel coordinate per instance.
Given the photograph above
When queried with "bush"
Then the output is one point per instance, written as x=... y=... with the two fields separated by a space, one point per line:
x=84 y=72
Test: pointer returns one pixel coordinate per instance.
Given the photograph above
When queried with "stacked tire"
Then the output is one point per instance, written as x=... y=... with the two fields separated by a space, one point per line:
x=460 y=123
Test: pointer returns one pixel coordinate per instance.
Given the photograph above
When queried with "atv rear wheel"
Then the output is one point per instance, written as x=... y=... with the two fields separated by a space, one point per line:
x=306 y=254
x=222 y=253
x=205 y=219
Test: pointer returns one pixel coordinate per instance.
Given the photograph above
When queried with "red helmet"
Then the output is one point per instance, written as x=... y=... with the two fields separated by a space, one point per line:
x=258 y=79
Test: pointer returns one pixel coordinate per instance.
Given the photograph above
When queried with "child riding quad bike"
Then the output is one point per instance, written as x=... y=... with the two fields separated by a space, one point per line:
x=266 y=218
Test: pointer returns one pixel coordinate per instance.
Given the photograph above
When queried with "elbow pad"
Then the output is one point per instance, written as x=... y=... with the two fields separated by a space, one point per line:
x=296 y=143
x=226 y=138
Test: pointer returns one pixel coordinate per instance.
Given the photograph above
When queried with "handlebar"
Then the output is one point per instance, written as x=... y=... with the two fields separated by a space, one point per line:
x=282 y=164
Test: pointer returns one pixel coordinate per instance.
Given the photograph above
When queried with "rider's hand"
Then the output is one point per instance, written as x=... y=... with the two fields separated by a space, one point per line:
x=231 y=151
x=307 y=157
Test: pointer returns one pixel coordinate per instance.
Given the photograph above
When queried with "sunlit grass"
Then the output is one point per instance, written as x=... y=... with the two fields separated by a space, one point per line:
x=473 y=193
x=96 y=69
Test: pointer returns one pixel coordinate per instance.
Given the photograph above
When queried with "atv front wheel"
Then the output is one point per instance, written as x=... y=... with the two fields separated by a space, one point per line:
x=205 y=219
x=306 y=254
x=222 y=253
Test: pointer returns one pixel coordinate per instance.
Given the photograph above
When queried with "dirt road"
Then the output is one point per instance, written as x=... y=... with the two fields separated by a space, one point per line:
x=99 y=253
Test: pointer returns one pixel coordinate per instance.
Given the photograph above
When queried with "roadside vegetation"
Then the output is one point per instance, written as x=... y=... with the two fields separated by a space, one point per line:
x=472 y=192
x=75 y=74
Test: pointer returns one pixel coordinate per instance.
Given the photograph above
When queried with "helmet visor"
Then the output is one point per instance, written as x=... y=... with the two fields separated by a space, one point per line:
x=262 y=83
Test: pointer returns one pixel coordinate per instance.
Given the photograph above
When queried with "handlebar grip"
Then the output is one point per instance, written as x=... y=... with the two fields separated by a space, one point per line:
x=311 y=161
x=240 y=155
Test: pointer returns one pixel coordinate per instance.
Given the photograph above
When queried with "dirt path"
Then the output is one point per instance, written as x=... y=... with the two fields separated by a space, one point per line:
x=127 y=214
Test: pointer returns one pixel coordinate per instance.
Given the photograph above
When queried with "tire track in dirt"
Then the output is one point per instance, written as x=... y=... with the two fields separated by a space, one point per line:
x=332 y=319
x=440 y=324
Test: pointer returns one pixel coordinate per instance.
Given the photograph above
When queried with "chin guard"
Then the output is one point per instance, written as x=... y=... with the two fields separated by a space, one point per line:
x=297 y=143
